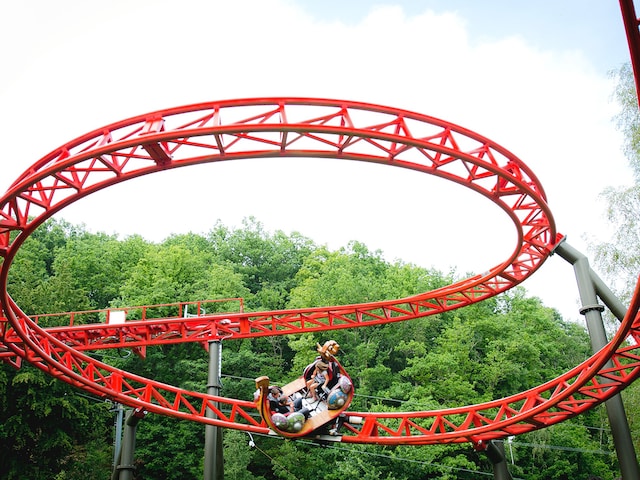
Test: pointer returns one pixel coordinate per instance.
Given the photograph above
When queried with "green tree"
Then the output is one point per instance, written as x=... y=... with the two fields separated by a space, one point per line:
x=33 y=265
x=267 y=262
x=168 y=448
x=28 y=274
x=46 y=429
x=89 y=270
x=349 y=275
x=174 y=273
x=564 y=451
x=237 y=456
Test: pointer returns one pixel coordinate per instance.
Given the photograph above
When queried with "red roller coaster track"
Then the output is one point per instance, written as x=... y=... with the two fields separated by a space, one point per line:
x=300 y=127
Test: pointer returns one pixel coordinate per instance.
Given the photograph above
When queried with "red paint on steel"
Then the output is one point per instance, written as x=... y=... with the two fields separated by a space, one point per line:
x=631 y=25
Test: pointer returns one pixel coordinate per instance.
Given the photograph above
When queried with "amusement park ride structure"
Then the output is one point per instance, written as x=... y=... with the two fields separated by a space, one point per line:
x=264 y=128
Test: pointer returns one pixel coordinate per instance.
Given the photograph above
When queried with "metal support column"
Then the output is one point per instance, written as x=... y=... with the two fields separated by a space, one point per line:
x=213 y=461
x=125 y=467
x=495 y=453
x=592 y=311
x=117 y=438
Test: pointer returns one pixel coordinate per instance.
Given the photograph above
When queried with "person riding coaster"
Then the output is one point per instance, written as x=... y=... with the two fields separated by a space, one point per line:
x=313 y=400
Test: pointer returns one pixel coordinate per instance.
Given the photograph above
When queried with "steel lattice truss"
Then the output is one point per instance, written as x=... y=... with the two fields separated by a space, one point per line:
x=294 y=127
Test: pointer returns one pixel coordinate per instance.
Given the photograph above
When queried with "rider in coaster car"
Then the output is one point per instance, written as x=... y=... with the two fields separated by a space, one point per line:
x=278 y=403
x=318 y=378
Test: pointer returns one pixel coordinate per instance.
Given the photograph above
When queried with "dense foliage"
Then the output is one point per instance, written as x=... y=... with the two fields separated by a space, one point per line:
x=49 y=430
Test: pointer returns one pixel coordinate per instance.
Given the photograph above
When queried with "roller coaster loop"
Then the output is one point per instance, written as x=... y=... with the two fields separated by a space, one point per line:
x=265 y=128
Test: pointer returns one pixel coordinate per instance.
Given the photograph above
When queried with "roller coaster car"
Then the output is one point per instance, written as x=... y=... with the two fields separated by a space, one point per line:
x=292 y=411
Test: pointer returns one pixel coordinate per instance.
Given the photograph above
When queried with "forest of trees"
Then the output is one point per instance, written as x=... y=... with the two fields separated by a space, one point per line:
x=502 y=346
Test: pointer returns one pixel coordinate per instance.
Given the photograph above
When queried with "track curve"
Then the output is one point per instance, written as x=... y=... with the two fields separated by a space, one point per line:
x=298 y=127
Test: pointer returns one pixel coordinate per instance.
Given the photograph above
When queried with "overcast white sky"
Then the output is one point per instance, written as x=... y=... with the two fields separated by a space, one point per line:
x=532 y=76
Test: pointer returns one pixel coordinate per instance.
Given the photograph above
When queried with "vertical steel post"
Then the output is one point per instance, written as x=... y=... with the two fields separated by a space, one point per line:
x=124 y=471
x=495 y=453
x=213 y=461
x=117 y=440
x=592 y=311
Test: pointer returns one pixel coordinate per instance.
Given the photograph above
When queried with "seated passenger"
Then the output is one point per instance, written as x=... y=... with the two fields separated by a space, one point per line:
x=318 y=378
x=278 y=403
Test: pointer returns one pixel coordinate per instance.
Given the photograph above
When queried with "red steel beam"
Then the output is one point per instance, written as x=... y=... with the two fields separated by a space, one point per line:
x=631 y=24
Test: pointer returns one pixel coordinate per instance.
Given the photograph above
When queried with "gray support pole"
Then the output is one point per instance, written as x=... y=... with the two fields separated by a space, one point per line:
x=117 y=440
x=495 y=453
x=213 y=462
x=606 y=295
x=125 y=468
x=593 y=315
